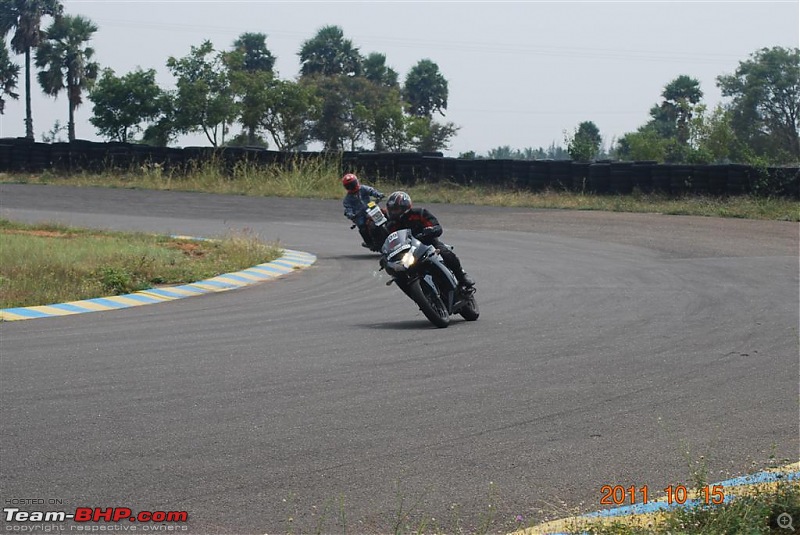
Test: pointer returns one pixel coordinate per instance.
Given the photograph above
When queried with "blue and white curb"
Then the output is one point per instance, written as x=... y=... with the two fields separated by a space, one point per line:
x=290 y=261
x=640 y=514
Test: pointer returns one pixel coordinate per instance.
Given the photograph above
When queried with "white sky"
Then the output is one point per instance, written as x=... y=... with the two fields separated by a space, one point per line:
x=519 y=73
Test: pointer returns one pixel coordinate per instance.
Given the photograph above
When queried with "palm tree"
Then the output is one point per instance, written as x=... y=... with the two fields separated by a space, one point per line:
x=26 y=16
x=376 y=71
x=250 y=66
x=255 y=56
x=9 y=73
x=65 y=62
x=425 y=89
x=328 y=53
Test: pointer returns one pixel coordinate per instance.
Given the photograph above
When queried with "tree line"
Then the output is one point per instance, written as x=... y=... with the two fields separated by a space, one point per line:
x=346 y=100
x=760 y=125
x=342 y=98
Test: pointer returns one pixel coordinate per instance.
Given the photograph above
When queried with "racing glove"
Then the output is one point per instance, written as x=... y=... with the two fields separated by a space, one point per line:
x=428 y=232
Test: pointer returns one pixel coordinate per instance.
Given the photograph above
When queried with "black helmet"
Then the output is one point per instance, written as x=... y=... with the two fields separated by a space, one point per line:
x=398 y=204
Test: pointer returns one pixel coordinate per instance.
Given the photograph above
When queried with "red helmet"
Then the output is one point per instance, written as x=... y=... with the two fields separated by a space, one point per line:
x=350 y=182
x=398 y=204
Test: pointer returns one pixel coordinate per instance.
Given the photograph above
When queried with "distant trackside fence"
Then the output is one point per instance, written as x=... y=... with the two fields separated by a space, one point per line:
x=602 y=177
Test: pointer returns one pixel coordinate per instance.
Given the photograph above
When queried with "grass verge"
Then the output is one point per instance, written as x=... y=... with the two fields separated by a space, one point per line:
x=50 y=263
x=762 y=510
x=319 y=178
x=765 y=504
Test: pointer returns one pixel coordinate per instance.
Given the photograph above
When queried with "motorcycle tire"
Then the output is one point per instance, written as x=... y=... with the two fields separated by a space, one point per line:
x=470 y=311
x=430 y=304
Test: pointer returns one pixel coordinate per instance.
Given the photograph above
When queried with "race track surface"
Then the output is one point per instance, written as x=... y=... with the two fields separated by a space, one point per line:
x=611 y=349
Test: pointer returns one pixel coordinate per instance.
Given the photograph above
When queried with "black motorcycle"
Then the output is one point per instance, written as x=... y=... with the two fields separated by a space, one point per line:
x=376 y=226
x=419 y=271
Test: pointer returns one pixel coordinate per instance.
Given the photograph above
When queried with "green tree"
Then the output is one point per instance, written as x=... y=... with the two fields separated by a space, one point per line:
x=25 y=16
x=66 y=62
x=203 y=101
x=584 y=145
x=328 y=53
x=504 y=152
x=250 y=65
x=332 y=126
x=378 y=115
x=765 y=92
x=666 y=137
x=672 y=117
x=250 y=53
x=426 y=135
x=290 y=114
x=54 y=135
x=354 y=110
x=425 y=89
x=162 y=131
x=243 y=139
x=122 y=104
x=712 y=137
x=377 y=72
x=388 y=124
x=251 y=91
x=9 y=74
x=682 y=94
x=332 y=66
x=556 y=152
x=647 y=143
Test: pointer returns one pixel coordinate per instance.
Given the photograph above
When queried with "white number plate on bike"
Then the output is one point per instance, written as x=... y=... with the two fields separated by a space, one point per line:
x=376 y=215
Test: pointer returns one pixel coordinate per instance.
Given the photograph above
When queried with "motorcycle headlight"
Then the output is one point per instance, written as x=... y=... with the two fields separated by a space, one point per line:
x=408 y=259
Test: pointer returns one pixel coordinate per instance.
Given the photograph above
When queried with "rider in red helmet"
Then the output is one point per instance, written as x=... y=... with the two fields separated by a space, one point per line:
x=355 y=204
x=426 y=228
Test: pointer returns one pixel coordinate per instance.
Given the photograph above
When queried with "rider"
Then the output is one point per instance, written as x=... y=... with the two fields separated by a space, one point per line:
x=355 y=204
x=426 y=228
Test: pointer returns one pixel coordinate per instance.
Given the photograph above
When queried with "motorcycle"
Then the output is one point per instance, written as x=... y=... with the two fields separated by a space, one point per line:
x=419 y=271
x=376 y=226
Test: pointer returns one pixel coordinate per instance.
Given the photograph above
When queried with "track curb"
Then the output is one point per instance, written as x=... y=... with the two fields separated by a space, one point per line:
x=643 y=515
x=289 y=262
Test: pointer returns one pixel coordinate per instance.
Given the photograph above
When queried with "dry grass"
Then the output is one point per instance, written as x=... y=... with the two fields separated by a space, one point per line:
x=43 y=264
x=319 y=178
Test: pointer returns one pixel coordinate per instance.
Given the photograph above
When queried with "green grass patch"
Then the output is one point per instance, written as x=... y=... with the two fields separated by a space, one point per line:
x=50 y=263
x=320 y=178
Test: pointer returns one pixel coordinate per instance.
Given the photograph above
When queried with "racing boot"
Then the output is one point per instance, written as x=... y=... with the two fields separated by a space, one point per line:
x=464 y=279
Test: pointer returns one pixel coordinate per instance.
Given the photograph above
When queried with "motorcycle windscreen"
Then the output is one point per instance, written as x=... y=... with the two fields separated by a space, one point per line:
x=397 y=242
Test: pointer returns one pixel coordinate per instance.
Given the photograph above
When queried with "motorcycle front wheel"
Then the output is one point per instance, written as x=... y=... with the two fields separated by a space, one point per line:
x=430 y=304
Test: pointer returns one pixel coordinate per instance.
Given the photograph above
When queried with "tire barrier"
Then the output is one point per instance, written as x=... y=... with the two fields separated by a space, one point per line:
x=680 y=179
x=539 y=175
x=621 y=177
x=600 y=177
x=20 y=155
x=642 y=176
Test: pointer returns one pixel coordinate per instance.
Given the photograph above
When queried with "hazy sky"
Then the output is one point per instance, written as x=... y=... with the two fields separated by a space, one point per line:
x=519 y=73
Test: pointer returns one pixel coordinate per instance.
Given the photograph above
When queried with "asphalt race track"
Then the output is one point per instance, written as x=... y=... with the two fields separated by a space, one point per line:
x=611 y=349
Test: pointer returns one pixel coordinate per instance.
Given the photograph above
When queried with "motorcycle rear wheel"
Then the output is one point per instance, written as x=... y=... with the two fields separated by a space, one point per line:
x=430 y=304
